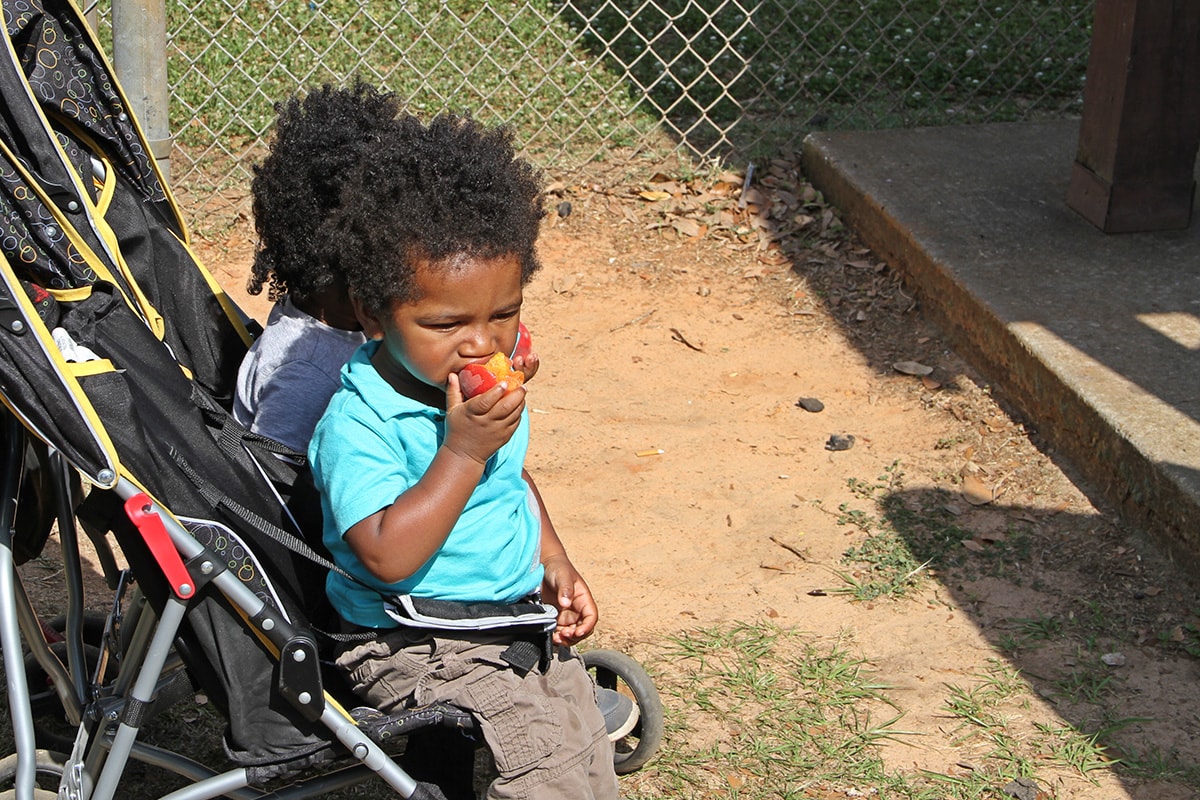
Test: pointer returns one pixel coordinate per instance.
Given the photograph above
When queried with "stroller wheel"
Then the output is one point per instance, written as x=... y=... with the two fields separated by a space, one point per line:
x=49 y=772
x=617 y=671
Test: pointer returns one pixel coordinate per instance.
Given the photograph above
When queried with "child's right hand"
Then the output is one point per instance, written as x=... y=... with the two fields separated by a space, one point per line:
x=478 y=427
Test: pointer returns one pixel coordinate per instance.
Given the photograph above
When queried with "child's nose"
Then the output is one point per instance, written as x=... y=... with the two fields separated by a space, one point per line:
x=480 y=343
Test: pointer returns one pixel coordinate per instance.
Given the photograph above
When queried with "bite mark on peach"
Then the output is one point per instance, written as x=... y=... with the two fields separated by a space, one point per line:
x=478 y=378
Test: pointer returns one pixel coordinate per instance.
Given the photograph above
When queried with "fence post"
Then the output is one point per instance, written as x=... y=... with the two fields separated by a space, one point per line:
x=140 y=59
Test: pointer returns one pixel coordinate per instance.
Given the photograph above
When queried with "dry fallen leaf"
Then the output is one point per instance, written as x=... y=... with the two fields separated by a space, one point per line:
x=973 y=545
x=911 y=368
x=563 y=283
x=653 y=196
x=688 y=227
x=670 y=187
x=754 y=196
x=975 y=491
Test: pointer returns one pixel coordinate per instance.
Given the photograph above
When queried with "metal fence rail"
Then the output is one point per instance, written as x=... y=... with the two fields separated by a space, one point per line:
x=588 y=81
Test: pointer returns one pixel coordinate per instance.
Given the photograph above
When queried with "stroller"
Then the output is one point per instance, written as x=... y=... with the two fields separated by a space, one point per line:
x=118 y=356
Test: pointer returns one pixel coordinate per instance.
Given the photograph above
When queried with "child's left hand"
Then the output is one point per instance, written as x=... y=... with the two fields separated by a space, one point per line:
x=528 y=364
x=565 y=588
x=523 y=357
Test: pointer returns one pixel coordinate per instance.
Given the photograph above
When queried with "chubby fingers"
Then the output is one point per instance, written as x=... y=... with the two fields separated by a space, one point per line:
x=528 y=364
x=579 y=616
x=454 y=395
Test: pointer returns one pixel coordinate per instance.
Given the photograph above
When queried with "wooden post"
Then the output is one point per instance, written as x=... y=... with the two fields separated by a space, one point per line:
x=1135 y=166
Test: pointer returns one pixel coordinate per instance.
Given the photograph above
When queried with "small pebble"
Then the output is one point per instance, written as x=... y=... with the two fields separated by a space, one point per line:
x=564 y=208
x=1023 y=789
x=811 y=404
x=840 y=441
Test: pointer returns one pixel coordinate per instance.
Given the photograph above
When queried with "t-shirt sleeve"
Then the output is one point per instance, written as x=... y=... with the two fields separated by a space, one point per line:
x=356 y=470
x=291 y=402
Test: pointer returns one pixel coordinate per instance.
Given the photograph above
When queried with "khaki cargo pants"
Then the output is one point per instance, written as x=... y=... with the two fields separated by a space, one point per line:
x=544 y=730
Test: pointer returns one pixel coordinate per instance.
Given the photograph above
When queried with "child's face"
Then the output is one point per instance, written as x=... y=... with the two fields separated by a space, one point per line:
x=467 y=309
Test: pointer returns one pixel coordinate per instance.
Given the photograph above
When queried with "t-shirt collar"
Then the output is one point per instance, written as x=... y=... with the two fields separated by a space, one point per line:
x=360 y=375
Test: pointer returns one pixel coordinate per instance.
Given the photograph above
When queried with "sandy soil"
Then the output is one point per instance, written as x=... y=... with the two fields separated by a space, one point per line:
x=678 y=332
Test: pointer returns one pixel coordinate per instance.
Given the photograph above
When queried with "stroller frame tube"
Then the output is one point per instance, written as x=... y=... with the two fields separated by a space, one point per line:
x=60 y=678
x=10 y=637
x=68 y=536
x=216 y=786
x=142 y=694
x=192 y=770
x=274 y=627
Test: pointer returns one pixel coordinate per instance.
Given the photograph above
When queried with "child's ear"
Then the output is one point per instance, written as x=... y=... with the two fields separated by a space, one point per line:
x=370 y=324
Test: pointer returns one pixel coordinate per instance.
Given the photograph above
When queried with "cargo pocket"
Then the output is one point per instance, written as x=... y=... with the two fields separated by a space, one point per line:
x=520 y=724
x=383 y=673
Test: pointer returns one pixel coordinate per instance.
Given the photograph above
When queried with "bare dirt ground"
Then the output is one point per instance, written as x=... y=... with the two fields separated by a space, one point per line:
x=678 y=332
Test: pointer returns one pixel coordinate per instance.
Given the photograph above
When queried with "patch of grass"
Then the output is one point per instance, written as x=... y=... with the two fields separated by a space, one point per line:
x=767 y=714
x=884 y=562
x=911 y=536
x=1087 y=684
x=1042 y=628
x=1069 y=747
x=1153 y=764
x=982 y=710
x=975 y=705
x=1184 y=637
x=1031 y=633
x=885 y=568
x=757 y=711
x=229 y=63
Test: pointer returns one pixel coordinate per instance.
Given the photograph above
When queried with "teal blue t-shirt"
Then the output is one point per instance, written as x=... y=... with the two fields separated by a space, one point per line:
x=369 y=447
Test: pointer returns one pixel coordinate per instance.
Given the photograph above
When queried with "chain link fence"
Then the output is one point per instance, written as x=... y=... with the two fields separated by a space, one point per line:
x=619 y=83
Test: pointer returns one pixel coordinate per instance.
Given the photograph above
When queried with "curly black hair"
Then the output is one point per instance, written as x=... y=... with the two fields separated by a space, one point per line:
x=318 y=141
x=452 y=187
